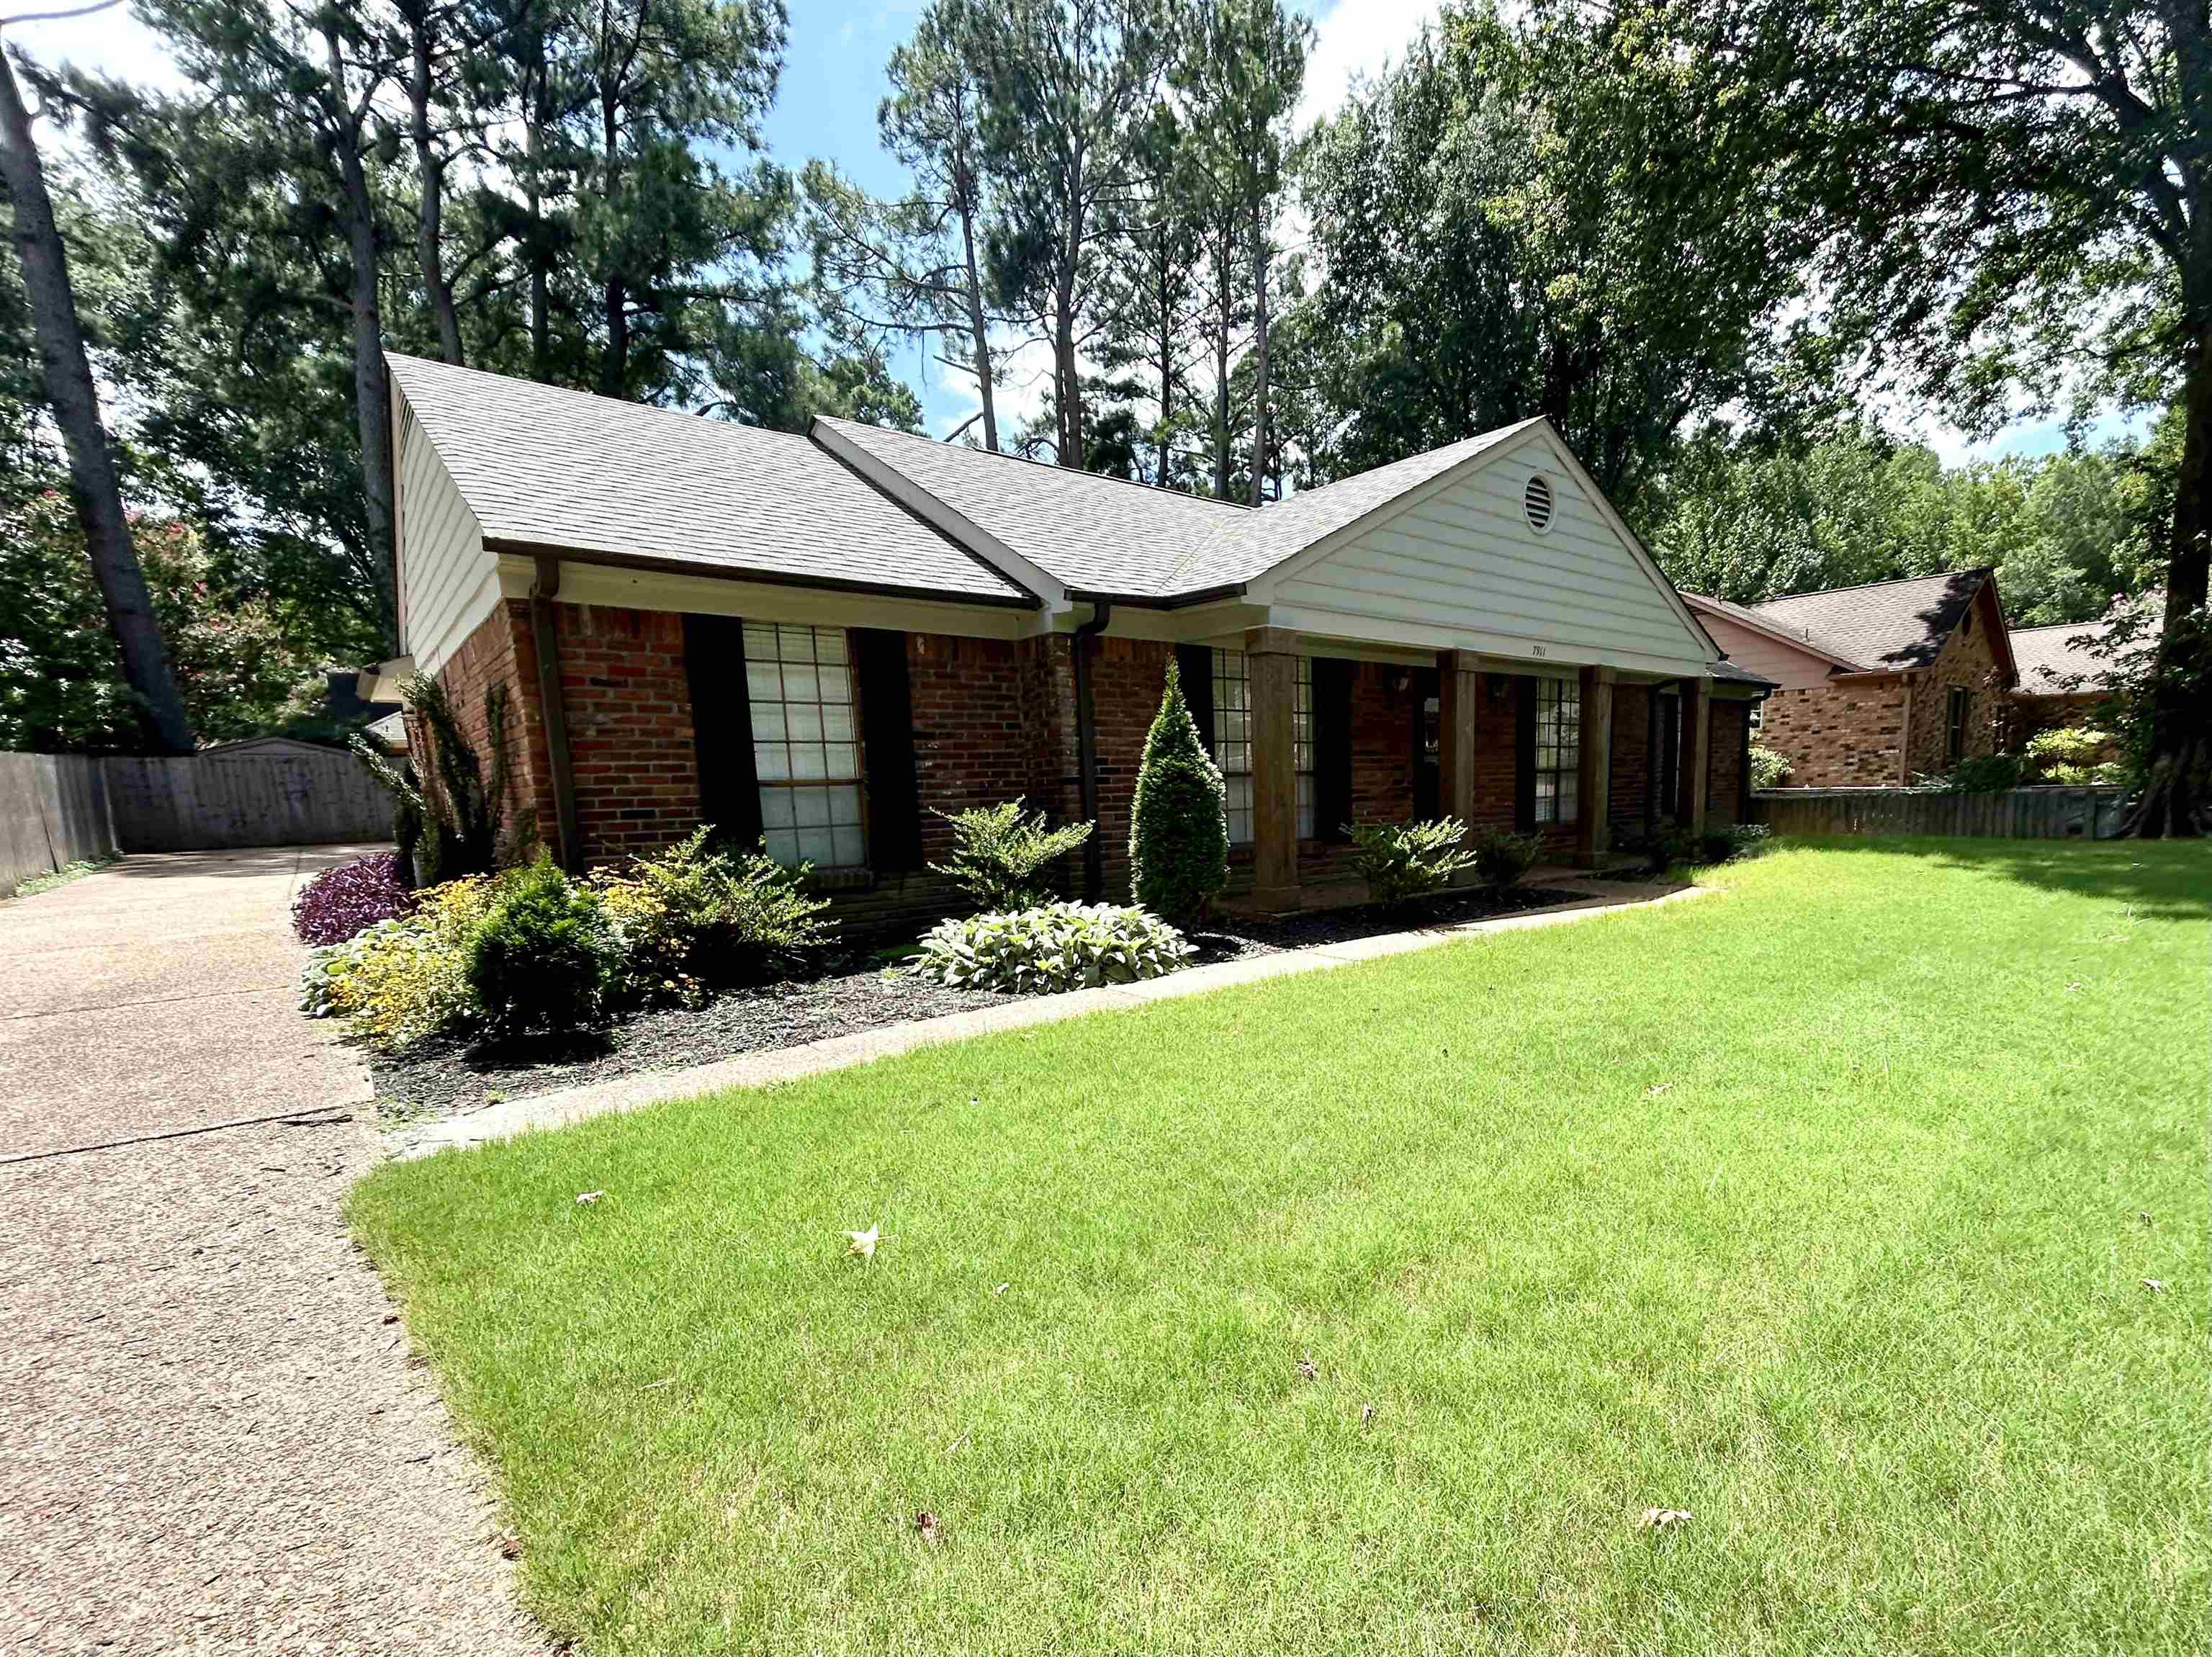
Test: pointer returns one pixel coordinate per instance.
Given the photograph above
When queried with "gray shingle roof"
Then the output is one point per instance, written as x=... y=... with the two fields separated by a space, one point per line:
x=2048 y=658
x=566 y=469
x=1110 y=535
x=1891 y=625
x=1092 y=534
x=1729 y=671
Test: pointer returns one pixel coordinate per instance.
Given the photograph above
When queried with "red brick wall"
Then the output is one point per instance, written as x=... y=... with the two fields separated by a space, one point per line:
x=628 y=706
x=1725 y=762
x=1381 y=744
x=500 y=651
x=1968 y=661
x=1631 y=760
x=1841 y=736
x=975 y=720
x=1128 y=677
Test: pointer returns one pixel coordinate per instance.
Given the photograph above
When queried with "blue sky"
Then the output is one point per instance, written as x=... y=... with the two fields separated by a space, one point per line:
x=833 y=79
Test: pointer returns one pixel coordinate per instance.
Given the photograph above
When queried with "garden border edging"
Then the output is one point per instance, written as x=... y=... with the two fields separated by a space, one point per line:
x=569 y=1106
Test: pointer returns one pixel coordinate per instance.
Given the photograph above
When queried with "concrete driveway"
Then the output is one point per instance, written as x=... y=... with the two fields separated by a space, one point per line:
x=212 y=1434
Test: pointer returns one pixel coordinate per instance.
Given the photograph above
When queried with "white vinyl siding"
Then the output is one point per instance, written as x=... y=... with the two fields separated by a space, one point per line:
x=806 y=746
x=449 y=582
x=1232 y=742
x=1463 y=568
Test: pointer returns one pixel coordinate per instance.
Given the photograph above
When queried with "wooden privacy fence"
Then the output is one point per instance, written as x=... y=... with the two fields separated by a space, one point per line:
x=53 y=812
x=2040 y=814
x=271 y=791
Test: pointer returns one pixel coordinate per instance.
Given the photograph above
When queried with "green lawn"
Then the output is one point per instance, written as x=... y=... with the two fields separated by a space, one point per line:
x=1821 y=1209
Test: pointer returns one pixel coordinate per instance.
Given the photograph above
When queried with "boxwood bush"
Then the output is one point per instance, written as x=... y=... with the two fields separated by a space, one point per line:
x=545 y=958
x=1053 y=947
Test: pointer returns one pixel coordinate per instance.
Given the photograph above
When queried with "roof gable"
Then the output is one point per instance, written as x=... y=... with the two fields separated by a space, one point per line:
x=1455 y=558
x=1885 y=626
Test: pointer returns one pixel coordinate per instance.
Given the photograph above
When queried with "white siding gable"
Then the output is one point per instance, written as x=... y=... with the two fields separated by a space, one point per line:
x=1458 y=567
x=449 y=583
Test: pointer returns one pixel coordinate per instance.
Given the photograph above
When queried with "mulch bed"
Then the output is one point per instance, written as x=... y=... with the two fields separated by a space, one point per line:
x=443 y=1078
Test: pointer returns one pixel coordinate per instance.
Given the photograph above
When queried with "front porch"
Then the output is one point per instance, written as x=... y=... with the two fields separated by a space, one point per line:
x=1584 y=757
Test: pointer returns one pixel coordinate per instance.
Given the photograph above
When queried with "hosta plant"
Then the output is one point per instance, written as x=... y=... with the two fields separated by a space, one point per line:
x=1053 y=947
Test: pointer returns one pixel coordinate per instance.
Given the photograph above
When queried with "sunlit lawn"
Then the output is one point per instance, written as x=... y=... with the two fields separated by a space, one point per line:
x=1821 y=1209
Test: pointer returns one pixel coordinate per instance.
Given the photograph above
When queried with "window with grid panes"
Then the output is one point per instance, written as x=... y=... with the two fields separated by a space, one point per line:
x=806 y=745
x=1232 y=742
x=1559 y=748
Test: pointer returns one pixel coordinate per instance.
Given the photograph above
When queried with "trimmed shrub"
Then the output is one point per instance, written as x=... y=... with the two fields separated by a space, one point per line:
x=1055 y=947
x=400 y=980
x=1179 y=823
x=1403 y=862
x=2072 y=756
x=1722 y=845
x=699 y=915
x=1769 y=769
x=1001 y=857
x=544 y=956
x=338 y=903
x=1501 y=857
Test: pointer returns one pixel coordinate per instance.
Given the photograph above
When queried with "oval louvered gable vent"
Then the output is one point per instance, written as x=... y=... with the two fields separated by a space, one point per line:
x=1536 y=502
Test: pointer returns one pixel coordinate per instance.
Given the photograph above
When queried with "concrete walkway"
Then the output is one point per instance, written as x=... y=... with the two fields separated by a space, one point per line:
x=556 y=1110
x=212 y=1435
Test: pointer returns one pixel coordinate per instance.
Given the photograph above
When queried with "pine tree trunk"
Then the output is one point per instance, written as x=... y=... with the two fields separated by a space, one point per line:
x=537 y=114
x=430 y=180
x=614 y=357
x=1259 y=345
x=978 y=328
x=94 y=485
x=2175 y=801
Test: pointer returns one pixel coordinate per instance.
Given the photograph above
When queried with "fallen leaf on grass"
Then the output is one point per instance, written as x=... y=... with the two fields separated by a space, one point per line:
x=1366 y=1415
x=1001 y=1288
x=863 y=1243
x=1662 y=1519
x=1306 y=1368
x=1654 y=1093
x=931 y=1528
x=510 y=1545
x=2155 y=1285
x=585 y=1198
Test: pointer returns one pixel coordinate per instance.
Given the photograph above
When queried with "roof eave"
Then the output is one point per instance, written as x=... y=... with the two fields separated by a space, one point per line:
x=1220 y=595
x=527 y=549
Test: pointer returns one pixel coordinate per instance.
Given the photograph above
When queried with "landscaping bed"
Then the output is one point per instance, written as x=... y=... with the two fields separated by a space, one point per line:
x=446 y=1074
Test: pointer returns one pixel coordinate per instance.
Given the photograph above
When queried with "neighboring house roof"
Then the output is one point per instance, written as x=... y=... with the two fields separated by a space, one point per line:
x=543 y=467
x=1796 y=638
x=1728 y=670
x=390 y=731
x=2060 y=661
x=1884 y=626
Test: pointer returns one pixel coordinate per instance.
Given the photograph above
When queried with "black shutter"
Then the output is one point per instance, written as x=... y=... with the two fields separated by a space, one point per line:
x=1524 y=755
x=887 y=750
x=722 y=727
x=1426 y=685
x=1652 y=781
x=1332 y=735
x=1194 y=667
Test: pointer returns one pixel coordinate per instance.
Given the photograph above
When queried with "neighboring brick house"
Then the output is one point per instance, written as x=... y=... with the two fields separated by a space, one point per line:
x=826 y=641
x=1877 y=685
x=2062 y=677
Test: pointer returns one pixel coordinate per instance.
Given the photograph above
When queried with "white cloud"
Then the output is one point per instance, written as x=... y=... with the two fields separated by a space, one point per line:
x=1353 y=37
x=112 y=43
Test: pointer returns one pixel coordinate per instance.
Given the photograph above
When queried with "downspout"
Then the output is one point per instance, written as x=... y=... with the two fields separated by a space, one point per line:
x=554 y=717
x=1086 y=748
x=1905 y=736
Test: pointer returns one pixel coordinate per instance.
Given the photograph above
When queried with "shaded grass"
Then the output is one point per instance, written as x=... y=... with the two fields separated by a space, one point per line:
x=1821 y=1209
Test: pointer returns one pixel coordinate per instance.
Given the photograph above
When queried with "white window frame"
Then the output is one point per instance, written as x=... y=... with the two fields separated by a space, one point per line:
x=1233 y=734
x=1558 y=752
x=807 y=761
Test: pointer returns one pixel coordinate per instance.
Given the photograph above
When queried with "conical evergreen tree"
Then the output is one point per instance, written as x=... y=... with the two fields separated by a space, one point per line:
x=1179 y=830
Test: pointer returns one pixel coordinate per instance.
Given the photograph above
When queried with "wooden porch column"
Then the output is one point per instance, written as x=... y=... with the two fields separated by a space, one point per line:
x=1459 y=684
x=1696 y=753
x=1593 y=774
x=1271 y=664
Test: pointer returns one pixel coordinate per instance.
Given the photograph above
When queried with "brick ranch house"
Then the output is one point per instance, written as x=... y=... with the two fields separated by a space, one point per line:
x=826 y=639
x=1877 y=684
x=2061 y=677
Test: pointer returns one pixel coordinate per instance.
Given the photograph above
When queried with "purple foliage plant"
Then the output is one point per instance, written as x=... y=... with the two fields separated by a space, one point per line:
x=343 y=901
